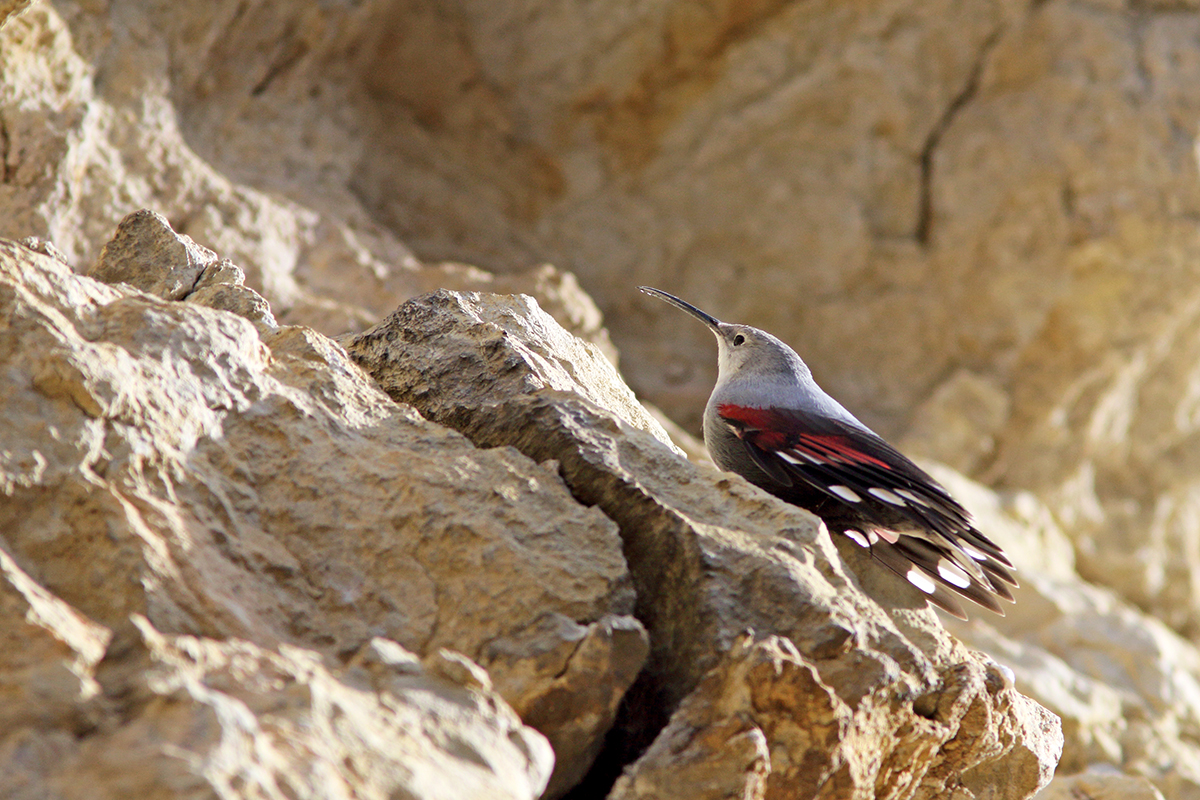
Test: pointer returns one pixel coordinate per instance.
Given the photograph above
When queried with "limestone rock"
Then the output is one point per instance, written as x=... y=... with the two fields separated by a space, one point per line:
x=936 y=202
x=976 y=220
x=571 y=686
x=1125 y=686
x=10 y=8
x=199 y=717
x=224 y=480
x=731 y=738
x=51 y=654
x=45 y=247
x=712 y=556
x=107 y=113
x=1099 y=785
x=958 y=425
x=693 y=446
x=558 y=294
x=476 y=351
x=148 y=255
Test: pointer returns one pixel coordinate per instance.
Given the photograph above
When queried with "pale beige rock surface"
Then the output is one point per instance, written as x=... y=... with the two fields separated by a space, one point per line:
x=903 y=709
x=458 y=350
x=186 y=716
x=229 y=480
x=107 y=110
x=1100 y=785
x=51 y=652
x=212 y=527
x=975 y=219
x=10 y=8
x=1126 y=686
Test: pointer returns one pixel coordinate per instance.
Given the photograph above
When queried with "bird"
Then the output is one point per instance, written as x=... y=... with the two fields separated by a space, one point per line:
x=768 y=421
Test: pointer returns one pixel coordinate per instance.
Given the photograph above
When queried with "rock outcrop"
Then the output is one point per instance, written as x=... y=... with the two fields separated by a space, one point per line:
x=196 y=480
x=1126 y=686
x=243 y=567
x=787 y=678
x=975 y=219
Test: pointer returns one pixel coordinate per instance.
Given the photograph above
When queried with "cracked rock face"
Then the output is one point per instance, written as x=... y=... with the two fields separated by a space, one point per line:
x=975 y=219
x=238 y=562
x=831 y=695
x=189 y=472
x=202 y=717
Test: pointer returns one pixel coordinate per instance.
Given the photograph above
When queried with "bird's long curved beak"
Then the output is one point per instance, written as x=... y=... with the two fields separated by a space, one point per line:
x=707 y=319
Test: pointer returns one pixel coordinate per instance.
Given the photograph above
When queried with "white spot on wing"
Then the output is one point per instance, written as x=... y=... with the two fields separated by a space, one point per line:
x=788 y=458
x=846 y=493
x=907 y=495
x=857 y=538
x=974 y=553
x=886 y=496
x=920 y=580
x=952 y=573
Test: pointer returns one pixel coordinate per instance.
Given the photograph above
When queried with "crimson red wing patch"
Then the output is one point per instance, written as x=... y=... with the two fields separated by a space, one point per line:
x=756 y=418
x=774 y=431
x=835 y=448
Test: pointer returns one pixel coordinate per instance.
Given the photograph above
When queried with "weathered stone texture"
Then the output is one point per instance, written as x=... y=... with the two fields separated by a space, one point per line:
x=170 y=462
x=712 y=557
x=975 y=219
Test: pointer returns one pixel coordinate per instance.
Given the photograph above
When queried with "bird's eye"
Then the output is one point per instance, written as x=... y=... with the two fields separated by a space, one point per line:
x=739 y=340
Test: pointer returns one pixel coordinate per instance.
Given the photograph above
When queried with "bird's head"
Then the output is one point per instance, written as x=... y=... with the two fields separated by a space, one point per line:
x=741 y=349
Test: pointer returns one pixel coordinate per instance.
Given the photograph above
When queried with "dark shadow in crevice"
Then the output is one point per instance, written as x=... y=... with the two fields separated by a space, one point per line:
x=642 y=715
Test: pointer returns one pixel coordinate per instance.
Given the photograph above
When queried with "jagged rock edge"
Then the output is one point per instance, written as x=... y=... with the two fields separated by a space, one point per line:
x=572 y=467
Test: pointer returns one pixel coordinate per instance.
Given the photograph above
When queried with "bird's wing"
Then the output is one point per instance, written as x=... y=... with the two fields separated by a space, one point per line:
x=900 y=512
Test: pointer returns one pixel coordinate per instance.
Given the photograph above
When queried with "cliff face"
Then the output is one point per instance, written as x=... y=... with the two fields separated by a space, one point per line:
x=225 y=535
x=243 y=568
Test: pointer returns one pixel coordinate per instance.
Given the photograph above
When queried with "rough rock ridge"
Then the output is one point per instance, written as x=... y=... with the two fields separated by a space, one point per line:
x=181 y=470
x=975 y=219
x=759 y=637
x=246 y=570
